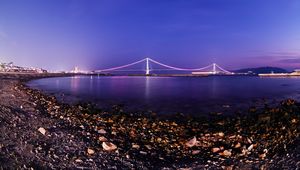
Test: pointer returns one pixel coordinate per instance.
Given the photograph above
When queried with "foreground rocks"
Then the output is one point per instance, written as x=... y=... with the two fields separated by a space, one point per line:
x=37 y=131
x=30 y=138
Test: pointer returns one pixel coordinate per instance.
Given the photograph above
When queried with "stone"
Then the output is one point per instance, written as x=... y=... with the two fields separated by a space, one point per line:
x=250 y=147
x=108 y=146
x=90 y=151
x=102 y=131
x=143 y=152
x=195 y=152
x=225 y=153
x=262 y=156
x=192 y=142
x=238 y=145
x=102 y=139
x=148 y=147
x=42 y=130
x=135 y=146
x=214 y=150
x=78 y=161
x=221 y=134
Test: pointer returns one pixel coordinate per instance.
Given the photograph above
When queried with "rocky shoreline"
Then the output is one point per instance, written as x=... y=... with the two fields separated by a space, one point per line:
x=39 y=132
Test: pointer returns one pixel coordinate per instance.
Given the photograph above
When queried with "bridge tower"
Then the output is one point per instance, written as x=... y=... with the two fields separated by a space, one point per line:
x=147 y=66
x=214 y=68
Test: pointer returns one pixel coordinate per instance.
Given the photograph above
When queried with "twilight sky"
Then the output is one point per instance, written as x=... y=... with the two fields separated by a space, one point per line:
x=96 y=34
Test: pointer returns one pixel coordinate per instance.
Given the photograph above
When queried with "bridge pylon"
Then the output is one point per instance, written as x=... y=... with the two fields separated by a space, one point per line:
x=147 y=67
x=214 y=68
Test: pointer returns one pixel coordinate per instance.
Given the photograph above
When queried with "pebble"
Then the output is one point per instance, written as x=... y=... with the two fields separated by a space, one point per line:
x=135 y=146
x=250 y=147
x=42 y=130
x=90 y=151
x=195 y=152
x=192 y=142
x=108 y=146
x=143 y=152
x=262 y=156
x=221 y=134
x=238 y=145
x=214 y=150
x=225 y=153
x=78 y=161
x=102 y=131
x=102 y=139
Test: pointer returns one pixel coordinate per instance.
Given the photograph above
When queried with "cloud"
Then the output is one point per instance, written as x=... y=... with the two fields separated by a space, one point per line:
x=287 y=57
x=276 y=55
x=290 y=60
x=285 y=53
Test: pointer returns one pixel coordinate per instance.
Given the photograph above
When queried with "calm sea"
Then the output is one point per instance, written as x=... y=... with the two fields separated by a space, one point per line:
x=168 y=95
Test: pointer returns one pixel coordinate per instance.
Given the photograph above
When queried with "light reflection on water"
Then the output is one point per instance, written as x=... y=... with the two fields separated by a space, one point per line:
x=171 y=94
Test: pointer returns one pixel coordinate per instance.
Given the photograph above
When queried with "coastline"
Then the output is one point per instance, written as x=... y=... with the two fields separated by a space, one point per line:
x=74 y=136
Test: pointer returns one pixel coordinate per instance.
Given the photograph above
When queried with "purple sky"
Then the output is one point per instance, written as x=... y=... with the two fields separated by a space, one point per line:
x=97 y=34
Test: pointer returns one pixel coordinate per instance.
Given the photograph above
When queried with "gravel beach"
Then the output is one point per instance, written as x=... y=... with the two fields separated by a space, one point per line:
x=39 y=132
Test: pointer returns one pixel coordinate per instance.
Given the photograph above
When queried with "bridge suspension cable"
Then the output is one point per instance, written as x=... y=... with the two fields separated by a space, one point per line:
x=120 y=67
x=228 y=72
x=180 y=69
x=148 y=60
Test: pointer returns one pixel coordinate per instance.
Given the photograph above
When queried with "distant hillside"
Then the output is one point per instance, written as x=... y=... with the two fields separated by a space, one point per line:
x=260 y=70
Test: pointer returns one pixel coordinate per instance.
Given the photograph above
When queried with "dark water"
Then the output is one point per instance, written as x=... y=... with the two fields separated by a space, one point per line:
x=190 y=95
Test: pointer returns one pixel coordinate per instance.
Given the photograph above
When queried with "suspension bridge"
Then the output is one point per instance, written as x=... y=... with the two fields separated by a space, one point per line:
x=212 y=69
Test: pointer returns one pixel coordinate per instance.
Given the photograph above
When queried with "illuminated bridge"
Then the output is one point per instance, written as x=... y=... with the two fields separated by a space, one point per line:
x=147 y=63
